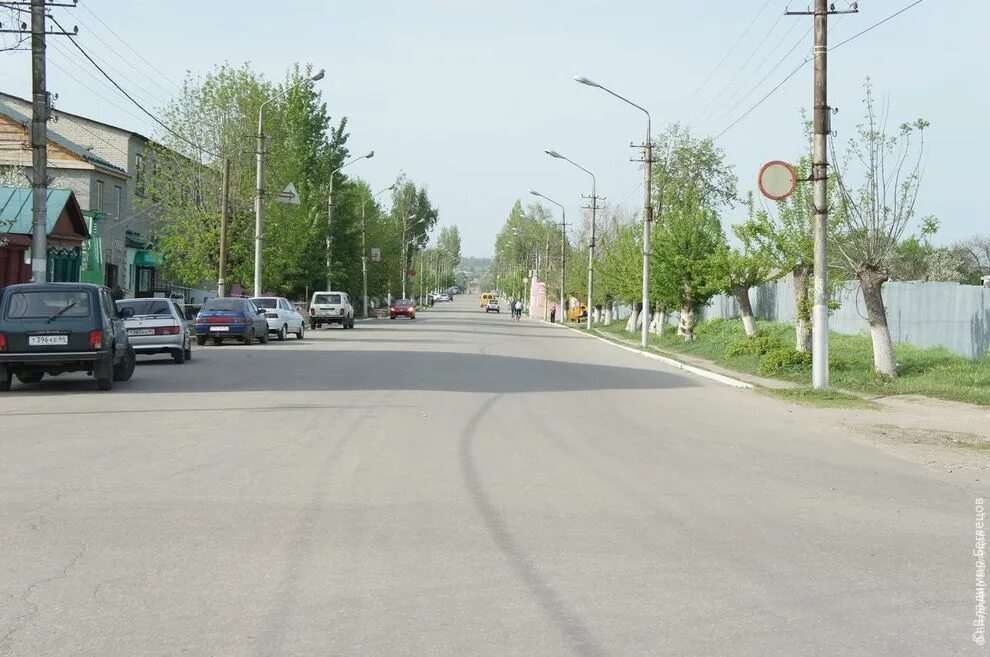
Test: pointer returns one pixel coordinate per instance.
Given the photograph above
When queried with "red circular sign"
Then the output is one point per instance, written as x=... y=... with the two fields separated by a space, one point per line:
x=777 y=180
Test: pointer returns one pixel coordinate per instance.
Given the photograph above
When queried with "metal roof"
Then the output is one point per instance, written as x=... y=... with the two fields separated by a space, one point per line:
x=15 y=209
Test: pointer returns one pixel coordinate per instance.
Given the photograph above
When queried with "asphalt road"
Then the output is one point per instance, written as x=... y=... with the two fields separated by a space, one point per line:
x=462 y=485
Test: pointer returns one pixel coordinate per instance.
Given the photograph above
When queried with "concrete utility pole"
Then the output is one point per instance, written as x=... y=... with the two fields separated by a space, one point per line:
x=563 y=252
x=364 y=248
x=821 y=127
x=647 y=204
x=224 y=213
x=39 y=146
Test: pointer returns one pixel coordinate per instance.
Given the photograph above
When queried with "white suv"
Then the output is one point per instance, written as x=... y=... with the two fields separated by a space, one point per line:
x=330 y=308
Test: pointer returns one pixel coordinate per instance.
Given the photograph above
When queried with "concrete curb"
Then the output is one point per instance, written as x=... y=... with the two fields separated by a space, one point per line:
x=697 y=371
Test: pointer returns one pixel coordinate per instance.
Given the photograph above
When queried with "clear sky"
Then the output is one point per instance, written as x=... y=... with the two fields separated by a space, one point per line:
x=464 y=95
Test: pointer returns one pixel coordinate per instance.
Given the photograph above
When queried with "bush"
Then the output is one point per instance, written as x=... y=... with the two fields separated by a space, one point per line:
x=783 y=358
x=758 y=345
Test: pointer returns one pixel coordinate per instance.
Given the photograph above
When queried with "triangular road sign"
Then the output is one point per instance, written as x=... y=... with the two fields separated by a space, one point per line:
x=289 y=195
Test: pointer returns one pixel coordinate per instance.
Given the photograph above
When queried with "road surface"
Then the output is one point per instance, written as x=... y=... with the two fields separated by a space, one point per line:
x=462 y=485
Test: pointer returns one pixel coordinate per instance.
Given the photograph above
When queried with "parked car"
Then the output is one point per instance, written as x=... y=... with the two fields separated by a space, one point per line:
x=330 y=308
x=443 y=297
x=53 y=328
x=402 y=308
x=157 y=326
x=492 y=306
x=282 y=318
x=224 y=318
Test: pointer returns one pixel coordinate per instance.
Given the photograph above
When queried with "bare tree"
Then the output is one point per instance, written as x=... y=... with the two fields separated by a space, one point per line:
x=873 y=215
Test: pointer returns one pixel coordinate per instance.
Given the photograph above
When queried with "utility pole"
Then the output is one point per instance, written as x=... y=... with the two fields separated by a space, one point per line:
x=647 y=228
x=594 y=198
x=329 y=223
x=40 y=111
x=224 y=203
x=364 y=261
x=259 y=206
x=821 y=128
x=546 y=277
x=563 y=265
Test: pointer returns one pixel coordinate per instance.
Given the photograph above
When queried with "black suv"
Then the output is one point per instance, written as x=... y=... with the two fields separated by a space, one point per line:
x=51 y=328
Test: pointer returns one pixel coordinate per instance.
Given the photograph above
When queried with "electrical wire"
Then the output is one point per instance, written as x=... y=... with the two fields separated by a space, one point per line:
x=722 y=61
x=808 y=59
x=129 y=97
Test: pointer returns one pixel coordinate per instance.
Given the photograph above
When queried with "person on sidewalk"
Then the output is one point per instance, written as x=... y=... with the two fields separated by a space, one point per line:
x=553 y=314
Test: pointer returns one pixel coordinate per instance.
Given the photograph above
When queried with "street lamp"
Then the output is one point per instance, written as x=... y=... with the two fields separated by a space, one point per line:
x=591 y=243
x=364 y=248
x=647 y=202
x=563 y=250
x=330 y=205
x=259 y=212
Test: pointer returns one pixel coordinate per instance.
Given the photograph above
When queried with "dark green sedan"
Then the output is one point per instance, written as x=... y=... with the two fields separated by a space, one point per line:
x=54 y=328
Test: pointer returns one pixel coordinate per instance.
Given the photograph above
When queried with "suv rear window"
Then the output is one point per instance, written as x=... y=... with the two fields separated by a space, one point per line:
x=326 y=298
x=148 y=306
x=223 y=305
x=46 y=303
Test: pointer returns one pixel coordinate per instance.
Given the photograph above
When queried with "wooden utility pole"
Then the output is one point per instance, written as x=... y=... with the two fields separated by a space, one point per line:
x=224 y=213
x=39 y=145
x=821 y=128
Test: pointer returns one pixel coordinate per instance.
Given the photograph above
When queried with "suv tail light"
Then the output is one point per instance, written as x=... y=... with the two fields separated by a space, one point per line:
x=341 y=311
x=95 y=340
x=3 y=342
x=312 y=312
x=167 y=330
x=271 y=315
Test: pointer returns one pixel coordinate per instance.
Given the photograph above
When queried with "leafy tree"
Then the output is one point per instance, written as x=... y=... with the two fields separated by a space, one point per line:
x=876 y=212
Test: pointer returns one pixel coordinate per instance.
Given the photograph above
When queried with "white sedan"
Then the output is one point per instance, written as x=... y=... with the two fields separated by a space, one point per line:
x=281 y=316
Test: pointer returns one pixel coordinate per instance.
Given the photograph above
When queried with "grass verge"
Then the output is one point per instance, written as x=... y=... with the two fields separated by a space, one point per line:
x=821 y=398
x=933 y=372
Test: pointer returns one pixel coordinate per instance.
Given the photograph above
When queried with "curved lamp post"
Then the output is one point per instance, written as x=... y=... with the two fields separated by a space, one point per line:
x=364 y=249
x=368 y=156
x=563 y=250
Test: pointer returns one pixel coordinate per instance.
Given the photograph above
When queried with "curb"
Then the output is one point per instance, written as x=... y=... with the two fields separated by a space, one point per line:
x=697 y=371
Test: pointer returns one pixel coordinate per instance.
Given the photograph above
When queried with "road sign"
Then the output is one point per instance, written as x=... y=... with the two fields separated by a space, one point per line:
x=777 y=180
x=376 y=255
x=289 y=195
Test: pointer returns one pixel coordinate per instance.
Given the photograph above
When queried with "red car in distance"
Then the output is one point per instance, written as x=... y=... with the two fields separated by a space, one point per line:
x=402 y=308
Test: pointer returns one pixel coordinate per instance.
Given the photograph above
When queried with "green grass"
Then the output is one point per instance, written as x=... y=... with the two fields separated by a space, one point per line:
x=823 y=398
x=934 y=372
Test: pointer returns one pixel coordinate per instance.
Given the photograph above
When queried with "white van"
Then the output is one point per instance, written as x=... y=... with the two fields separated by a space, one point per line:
x=330 y=307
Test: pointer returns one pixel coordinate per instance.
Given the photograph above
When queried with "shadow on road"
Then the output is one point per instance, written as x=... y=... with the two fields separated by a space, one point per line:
x=247 y=370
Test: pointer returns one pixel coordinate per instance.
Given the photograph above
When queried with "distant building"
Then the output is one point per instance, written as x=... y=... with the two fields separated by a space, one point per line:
x=105 y=168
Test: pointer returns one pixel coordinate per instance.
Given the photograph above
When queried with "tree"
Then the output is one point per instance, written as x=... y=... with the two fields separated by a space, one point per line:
x=973 y=258
x=876 y=212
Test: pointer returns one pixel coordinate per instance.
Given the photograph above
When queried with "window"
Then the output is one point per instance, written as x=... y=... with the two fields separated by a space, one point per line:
x=119 y=199
x=269 y=304
x=148 y=306
x=327 y=298
x=139 y=175
x=46 y=303
x=99 y=196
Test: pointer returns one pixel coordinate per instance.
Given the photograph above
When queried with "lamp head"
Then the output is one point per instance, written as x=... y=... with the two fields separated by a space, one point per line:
x=554 y=154
x=535 y=193
x=369 y=155
x=584 y=80
x=318 y=76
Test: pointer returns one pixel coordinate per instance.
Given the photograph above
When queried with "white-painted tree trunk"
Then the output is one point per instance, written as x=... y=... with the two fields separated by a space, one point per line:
x=685 y=327
x=741 y=293
x=631 y=322
x=662 y=318
x=608 y=315
x=802 y=325
x=643 y=316
x=749 y=325
x=871 y=283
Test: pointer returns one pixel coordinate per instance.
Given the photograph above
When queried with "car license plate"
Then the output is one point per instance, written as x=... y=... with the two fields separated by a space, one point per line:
x=47 y=340
x=145 y=331
x=219 y=329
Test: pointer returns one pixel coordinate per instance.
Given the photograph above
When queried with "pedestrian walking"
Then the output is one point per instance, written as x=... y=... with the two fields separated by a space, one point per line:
x=553 y=314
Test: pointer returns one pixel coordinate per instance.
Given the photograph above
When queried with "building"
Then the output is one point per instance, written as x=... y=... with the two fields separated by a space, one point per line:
x=105 y=167
x=67 y=232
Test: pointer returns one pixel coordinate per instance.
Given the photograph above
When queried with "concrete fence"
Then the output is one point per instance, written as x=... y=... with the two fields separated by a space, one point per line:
x=948 y=315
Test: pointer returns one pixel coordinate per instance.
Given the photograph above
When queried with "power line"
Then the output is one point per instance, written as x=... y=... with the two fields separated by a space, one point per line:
x=734 y=78
x=131 y=98
x=119 y=38
x=876 y=25
x=722 y=61
x=806 y=60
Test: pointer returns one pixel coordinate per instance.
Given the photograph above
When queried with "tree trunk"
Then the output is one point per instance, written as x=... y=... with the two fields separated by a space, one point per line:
x=802 y=305
x=633 y=318
x=871 y=281
x=741 y=293
x=685 y=327
x=644 y=316
x=662 y=317
x=608 y=314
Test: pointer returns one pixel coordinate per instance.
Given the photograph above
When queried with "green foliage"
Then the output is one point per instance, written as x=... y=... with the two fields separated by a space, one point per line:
x=784 y=358
x=759 y=345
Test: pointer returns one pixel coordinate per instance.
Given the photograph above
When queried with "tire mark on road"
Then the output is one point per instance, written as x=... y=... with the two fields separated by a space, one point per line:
x=574 y=630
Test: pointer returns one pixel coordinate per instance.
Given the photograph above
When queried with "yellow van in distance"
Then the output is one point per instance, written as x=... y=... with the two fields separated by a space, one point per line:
x=485 y=298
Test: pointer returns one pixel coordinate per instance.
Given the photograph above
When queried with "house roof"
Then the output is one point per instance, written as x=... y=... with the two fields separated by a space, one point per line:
x=77 y=116
x=16 y=209
x=56 y=138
